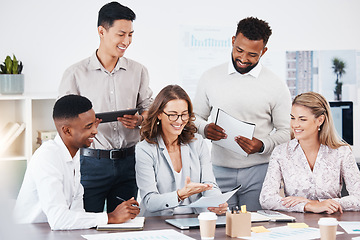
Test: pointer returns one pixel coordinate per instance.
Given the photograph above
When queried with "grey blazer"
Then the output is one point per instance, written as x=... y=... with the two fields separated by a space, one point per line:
x=155 y=178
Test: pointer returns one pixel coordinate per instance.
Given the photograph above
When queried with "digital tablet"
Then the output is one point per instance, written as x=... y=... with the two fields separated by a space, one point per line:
x=112 y=116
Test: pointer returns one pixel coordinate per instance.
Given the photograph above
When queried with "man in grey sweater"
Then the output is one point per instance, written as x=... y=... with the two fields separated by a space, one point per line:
x=250 y=92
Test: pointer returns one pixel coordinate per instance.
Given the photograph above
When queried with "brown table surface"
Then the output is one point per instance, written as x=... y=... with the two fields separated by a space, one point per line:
x=42 y=230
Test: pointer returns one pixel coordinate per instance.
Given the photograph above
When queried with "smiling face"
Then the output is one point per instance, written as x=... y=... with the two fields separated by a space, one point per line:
x=246 y=53
x=172 y=129
x=83 y=129
x=304 y=124
x=117 y=38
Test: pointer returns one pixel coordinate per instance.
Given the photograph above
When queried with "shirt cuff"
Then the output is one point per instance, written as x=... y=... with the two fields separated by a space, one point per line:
x=101 y=218
x=201 y=128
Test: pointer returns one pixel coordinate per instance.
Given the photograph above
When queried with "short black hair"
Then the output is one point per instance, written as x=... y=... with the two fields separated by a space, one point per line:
x=114 y=11
x=70 y=106
x=254 y=29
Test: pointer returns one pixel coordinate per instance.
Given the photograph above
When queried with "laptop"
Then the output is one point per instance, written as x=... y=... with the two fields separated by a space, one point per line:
x=187 y=223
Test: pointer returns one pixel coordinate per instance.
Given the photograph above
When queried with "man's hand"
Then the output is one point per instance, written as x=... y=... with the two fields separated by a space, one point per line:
x=214 y=132
x=124 y=211
x=192 y=188
x=131 y=121
x=249 y=146
x=329 y=206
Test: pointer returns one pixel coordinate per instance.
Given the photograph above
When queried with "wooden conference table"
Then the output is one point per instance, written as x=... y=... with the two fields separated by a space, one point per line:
x=41 y=231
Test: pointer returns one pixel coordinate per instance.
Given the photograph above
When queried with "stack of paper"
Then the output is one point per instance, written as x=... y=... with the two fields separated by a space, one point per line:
x=145 y=235
x=233 y=127
x=133 y=224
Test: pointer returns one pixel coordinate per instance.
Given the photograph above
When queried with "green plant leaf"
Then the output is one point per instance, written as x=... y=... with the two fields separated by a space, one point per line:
x=15 y=65
x=8 y=65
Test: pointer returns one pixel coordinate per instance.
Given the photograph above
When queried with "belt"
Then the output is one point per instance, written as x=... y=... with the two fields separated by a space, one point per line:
x=109 y=154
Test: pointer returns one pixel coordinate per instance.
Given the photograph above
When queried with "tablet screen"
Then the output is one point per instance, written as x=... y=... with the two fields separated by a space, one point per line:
x=112 y=116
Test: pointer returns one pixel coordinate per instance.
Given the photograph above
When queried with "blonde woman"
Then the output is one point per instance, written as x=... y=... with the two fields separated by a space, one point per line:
x=313 y=165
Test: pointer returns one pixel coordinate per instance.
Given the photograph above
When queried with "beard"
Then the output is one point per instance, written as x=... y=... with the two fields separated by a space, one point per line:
x=243 y=70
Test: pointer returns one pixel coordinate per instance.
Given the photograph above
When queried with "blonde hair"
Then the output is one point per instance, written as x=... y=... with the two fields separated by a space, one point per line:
x=318 y=106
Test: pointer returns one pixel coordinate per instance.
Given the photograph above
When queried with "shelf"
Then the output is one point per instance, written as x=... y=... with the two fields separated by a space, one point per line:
x=35 y=110
x=13 y=158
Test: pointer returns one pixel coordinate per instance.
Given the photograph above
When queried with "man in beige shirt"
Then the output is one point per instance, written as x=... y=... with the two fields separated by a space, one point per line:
x=112 y=82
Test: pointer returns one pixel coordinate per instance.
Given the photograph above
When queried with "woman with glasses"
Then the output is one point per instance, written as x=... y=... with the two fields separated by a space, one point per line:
x=173 y=164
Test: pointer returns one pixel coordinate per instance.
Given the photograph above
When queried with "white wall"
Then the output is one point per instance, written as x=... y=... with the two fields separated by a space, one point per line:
x=48 y=36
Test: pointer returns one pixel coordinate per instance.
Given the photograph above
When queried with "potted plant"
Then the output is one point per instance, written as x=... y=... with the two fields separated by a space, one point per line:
x=11 y=79
x=339 y=69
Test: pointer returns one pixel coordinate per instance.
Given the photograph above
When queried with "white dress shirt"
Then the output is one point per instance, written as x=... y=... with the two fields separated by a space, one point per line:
x=51 y=190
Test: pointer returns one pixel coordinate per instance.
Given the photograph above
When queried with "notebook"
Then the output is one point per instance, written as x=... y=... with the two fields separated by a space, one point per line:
x=133 y=224
x=187 y=223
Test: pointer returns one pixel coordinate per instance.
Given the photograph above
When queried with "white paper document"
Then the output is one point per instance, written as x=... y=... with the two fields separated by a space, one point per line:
x=132 y=224
x=142 y=235
x=233 y=127
x=286 y=233
x=350 y=227
x=212 y=201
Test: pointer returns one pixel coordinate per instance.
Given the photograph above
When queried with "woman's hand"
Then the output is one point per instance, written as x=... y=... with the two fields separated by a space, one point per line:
x=292 y=201
x=219 y=210
x=329 y=206
x=192 y=188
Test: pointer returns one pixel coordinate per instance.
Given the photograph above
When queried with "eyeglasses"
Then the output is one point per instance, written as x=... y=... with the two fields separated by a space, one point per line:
x=175 y=117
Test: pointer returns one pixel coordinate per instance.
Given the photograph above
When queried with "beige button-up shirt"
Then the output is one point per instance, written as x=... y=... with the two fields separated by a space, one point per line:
x=127 y=86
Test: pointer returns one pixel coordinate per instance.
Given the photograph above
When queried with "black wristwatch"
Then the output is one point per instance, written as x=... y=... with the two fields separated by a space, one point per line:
x=262 y=148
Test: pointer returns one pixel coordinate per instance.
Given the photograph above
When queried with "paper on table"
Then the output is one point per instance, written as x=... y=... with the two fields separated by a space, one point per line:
x=133 y=224
x=259 y=229
x=350 y=227
x=233 y=127
x=212 y=201
x=298 y=225
x=286 y=233
x=144 y=235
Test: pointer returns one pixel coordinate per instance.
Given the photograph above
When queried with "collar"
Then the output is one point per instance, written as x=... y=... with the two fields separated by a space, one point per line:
x=95 y=64
x=58 y=140
x=294 y=143
x=254 y=72
x=161 y=142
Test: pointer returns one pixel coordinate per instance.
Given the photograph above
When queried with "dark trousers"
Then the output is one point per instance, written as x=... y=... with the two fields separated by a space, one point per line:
x=104 y=179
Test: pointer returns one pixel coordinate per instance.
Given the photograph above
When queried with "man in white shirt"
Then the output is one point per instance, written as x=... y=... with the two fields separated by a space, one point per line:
x=51 y=190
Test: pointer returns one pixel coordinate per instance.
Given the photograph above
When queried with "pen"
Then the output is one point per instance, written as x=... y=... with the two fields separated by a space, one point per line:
x=282 y=220
x=237 y=209
x=123 y=200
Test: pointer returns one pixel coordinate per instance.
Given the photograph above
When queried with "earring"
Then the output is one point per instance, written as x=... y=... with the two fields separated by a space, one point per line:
x=319 y=129
x=158 y=122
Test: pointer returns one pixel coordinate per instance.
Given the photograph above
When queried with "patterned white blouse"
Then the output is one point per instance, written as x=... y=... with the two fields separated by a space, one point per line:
x=289 y=164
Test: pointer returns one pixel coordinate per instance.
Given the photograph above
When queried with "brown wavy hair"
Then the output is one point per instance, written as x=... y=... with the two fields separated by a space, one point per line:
x=151 y=126
x=318 y=106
